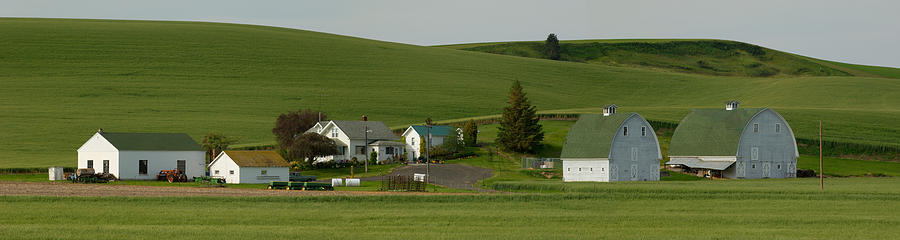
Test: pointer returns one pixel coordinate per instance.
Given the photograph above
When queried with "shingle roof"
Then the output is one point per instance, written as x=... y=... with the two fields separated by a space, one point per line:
x=257 y=158
x=592 y=135
x=152 y=141
x=436 y=130
x=710 y=132
x=357 y=130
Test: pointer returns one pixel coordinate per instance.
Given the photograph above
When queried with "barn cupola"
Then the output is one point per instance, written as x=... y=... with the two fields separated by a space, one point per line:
x=731 y=105
x=609 y=109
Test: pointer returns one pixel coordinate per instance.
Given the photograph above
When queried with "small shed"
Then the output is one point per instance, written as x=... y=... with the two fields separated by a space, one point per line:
x=250 y=167
x=611 y=147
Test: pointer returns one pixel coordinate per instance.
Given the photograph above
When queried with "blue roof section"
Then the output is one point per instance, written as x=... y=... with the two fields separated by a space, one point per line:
x=436 y=130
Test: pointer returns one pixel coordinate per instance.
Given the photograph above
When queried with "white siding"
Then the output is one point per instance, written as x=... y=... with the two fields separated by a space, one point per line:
x=159 y=160
x=224 y=164
x=585 y=170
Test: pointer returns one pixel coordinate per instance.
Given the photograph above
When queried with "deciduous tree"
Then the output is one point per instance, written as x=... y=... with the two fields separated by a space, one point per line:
x=551 y=47
x=470 y=133
x=290 y=125
x=215 y=143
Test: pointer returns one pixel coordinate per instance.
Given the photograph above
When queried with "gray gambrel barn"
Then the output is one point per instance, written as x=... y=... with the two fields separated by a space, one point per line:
x=615 y=147
x=734 y=142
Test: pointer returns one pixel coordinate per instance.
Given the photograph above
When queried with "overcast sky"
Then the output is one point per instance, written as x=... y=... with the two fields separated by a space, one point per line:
x=854 y=31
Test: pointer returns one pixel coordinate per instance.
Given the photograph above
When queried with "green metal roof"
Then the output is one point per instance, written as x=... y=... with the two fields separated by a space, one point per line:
x=710 y=132
x=436 y=130
x=592 y=135
x=152 y=141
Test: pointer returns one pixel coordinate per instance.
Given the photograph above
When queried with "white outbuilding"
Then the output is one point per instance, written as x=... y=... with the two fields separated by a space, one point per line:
x=250 y=167
x=141 y=155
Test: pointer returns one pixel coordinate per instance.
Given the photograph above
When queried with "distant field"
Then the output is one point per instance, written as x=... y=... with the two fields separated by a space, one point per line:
x=861 y=208
x=62 y=79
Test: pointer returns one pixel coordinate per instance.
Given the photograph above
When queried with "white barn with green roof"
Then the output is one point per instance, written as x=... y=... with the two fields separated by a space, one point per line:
x=617 y=147
x=142 y=155
x=734 y=142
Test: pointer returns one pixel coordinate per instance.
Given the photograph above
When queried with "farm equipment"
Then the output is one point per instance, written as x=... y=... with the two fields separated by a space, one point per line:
x=171 y=176
x=87 y=175
x=305 y=186
x=210 y=180
x=298 y=177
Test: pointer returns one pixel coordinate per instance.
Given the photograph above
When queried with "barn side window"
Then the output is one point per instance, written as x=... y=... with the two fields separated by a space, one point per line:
x=756 y=127
x=142 y=166
x=778 y=127
x=90 y=163
x=625 y=133
x=231 y=172
x=217 y=172
x=643 y=131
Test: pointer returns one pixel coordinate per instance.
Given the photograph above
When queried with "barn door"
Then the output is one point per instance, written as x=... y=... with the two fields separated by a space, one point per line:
x=791 y=169
x=613 y=173
x=741 y=169
x=634 y=172
x=767 y=169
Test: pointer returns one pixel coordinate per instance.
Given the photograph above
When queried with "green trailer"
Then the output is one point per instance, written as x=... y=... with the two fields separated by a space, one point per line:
x=306 y=186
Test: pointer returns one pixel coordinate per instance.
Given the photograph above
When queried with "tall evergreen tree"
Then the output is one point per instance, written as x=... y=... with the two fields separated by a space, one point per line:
x=551 y=47
x=470 y=133
x=519 y=129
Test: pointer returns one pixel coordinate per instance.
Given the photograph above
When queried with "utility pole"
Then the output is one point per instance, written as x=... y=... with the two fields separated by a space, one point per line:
x=821 y=169
x=427 y=146
x=366 y=147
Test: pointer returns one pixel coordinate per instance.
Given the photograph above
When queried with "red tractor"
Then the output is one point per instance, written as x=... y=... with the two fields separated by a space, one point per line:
x=171 y=176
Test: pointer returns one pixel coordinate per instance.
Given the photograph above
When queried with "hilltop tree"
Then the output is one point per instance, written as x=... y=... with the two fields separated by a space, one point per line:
x=519 y=129
x=470 y=133
x=215 y=143
x=290 y=125
x=551 y=47
x=306 y=147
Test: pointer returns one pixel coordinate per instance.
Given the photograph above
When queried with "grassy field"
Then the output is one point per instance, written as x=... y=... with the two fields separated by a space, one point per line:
x=62 y=79
x=703 y=56
x=772 y=209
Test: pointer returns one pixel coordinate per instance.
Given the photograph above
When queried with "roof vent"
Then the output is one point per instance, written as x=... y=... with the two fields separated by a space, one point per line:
x=609 y=109
x=365 y=118
x=731 y=105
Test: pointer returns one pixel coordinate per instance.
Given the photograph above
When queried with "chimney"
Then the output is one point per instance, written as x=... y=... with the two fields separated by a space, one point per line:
x=731 y=105
x=365 y=118
x=100 y=130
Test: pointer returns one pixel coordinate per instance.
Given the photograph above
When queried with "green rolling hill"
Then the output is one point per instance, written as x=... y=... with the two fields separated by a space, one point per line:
x=62 y=79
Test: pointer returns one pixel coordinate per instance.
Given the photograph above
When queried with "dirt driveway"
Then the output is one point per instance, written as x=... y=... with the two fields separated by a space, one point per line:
x=66 y=189
x=448 y=175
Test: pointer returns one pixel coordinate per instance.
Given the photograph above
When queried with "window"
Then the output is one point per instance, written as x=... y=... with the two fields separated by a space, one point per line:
x=602 y=169
x=106 y=166
x=334 y=132
x=625 y=133
x=778 y=127
x=592 y=170
x=643 y=130
x=389 y=150
x=142 y=167
x=779 y=166
x=341 y=150
x=413 y=142
x=180 y=165
x=90 y=164
x=231 y=172
x=753 y=166
x=634 y=154
x=756 y=127
x=754 y=153
x=360 y=150
x=217 y=172
x=569 y=169
x=579 y=169
x=263 y=172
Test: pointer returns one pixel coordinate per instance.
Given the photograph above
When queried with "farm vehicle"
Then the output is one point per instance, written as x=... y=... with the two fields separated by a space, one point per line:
x=175 y=175
x=298 y=177
x=87 y=175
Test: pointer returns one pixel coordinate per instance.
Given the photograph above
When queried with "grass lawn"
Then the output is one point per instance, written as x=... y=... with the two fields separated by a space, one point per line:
x=849 y=208
x=109 y=74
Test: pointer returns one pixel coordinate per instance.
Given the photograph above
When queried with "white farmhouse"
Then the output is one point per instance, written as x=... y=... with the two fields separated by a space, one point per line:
x=141 y=155
x=249 y=167
x=357 y=139
x=414 y=134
